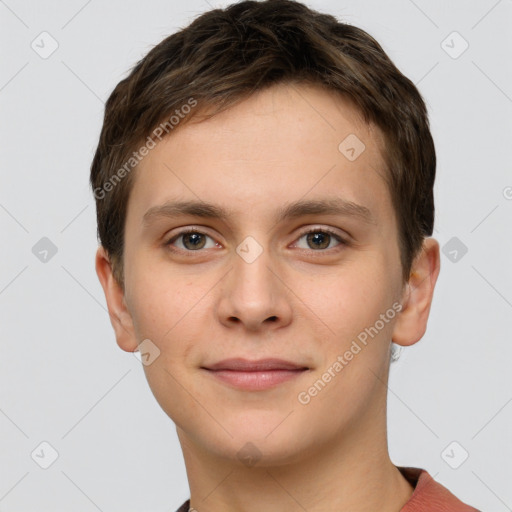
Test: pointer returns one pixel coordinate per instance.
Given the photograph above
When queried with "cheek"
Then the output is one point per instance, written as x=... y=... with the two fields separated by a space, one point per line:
x=174 y=312
x=158 y=305
x=355 y=298
x=358 y=308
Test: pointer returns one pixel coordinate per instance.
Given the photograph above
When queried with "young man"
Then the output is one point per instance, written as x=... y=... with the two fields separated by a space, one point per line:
x=264 y=188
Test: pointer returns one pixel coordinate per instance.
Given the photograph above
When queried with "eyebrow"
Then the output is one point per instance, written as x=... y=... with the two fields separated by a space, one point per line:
x=334 y=206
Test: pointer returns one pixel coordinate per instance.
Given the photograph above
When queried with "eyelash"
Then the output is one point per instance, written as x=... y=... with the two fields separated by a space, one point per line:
x=342 y=241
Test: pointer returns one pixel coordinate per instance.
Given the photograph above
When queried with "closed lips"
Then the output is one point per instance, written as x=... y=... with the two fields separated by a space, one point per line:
x=245 y=365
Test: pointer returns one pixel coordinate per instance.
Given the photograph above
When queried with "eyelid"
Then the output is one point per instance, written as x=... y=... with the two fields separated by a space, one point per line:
x=343 y=240
x=187 y=231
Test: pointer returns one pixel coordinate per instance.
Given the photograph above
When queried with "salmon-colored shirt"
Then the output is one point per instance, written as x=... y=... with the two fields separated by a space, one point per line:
x=428 y=495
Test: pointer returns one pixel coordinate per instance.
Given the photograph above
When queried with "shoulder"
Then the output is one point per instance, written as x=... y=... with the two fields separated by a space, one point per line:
x=184 y=507
x=430 y=495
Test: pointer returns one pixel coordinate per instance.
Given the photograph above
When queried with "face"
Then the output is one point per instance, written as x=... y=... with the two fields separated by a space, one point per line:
x=294 y=256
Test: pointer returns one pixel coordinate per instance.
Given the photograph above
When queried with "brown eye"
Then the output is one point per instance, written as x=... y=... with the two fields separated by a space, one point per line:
x=321 y=239
x=318 y=240
x=191 y=241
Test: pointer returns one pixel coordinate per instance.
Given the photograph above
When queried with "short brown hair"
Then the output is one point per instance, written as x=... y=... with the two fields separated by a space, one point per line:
x=223 y=57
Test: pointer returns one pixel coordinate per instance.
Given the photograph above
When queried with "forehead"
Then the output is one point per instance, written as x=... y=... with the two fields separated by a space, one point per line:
x=281 y=144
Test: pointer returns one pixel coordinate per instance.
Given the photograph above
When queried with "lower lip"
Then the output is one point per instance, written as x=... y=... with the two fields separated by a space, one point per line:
x=257 y=380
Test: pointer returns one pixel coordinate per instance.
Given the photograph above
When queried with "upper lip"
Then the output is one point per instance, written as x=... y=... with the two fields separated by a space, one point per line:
x=245 y=365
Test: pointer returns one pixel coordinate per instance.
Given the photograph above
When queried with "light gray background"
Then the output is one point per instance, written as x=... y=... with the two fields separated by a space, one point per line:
x=64 y=380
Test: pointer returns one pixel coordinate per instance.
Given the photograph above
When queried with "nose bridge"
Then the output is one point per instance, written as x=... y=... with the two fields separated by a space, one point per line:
x=252 y=292
x=252 y=280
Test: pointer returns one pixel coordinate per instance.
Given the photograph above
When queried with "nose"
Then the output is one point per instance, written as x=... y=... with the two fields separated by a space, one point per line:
x=253 y=296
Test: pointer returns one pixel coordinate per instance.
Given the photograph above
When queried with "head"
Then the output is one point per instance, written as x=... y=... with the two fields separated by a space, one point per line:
x=252 y=112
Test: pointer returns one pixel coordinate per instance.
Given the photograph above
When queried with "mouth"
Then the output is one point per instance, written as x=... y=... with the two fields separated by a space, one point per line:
x=255 y=375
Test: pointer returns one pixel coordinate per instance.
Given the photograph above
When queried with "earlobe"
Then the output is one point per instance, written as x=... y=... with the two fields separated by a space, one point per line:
x=120 y=317
x=411 y=323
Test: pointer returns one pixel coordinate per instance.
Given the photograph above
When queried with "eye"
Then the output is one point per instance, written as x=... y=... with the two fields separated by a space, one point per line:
x=192 y=240
x=321 y=238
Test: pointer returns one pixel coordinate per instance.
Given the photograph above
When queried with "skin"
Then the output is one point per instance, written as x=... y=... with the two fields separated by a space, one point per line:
x=296 y=302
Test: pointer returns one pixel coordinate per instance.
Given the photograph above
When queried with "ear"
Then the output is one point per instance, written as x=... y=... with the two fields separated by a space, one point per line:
x=120 y=317
x=412 y=320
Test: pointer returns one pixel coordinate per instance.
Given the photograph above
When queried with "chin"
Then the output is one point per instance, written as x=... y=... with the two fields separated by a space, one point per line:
x=257 y=441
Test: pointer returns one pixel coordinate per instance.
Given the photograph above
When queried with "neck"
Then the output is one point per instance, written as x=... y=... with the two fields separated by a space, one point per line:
x=352 y=472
